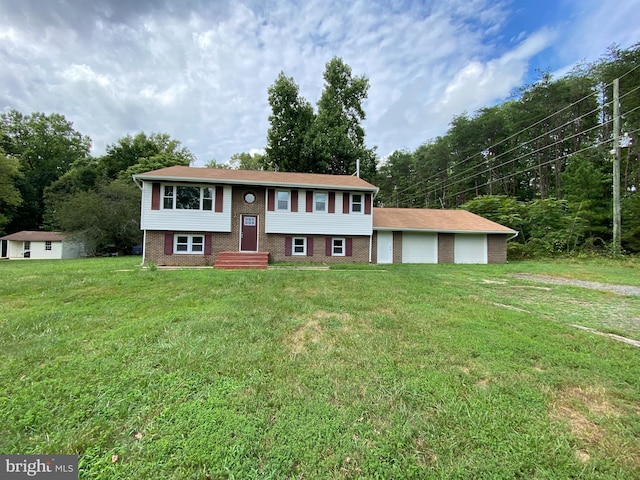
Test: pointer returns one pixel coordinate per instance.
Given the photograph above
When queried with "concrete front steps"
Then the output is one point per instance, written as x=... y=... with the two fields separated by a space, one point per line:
x=242 y=260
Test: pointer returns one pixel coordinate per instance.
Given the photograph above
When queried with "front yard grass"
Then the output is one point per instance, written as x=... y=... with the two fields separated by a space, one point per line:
x=402 y=371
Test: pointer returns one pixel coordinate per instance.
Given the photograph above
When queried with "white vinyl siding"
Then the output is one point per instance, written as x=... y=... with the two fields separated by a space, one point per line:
x=184 y=220
x=470 y=248
x=419 y=247
x=319 y=223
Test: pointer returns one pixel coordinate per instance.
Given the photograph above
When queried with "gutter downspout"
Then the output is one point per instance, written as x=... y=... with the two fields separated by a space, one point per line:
x=144 y=232
x=512 y=237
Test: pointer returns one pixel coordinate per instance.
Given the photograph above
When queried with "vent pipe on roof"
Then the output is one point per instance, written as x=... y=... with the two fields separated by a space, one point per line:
x=358 y=168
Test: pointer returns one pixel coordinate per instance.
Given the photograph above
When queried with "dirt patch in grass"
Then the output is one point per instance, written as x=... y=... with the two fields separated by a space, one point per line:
x=312 y=331
x=584 y=411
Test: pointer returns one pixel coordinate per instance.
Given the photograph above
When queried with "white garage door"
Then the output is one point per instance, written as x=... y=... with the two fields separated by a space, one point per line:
x=470 y=248
x=419 y=247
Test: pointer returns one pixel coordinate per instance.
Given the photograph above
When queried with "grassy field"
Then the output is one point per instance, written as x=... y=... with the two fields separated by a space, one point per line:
x=433 y=371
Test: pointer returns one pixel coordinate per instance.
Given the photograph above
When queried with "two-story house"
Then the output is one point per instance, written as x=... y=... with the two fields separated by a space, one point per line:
x=195 y=216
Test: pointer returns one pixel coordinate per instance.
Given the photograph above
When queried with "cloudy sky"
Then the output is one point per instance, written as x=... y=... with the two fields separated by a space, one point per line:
x=200 y=70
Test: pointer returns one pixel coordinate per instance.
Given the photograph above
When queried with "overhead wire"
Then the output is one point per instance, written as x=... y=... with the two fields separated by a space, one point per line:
x=602 y=142
x=449 y=181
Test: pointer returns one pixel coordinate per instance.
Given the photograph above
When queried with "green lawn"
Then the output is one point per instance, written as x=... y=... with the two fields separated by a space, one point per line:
x=432 y=371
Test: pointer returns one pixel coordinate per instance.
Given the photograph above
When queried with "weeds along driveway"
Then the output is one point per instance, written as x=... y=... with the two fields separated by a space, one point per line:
x=608 y=287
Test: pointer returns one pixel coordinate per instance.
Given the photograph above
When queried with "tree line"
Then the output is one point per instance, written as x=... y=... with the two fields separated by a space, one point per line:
x=49 y=180
x=539 y=162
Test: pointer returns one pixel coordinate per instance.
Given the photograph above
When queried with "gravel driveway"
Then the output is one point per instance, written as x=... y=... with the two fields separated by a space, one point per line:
x=609 y=287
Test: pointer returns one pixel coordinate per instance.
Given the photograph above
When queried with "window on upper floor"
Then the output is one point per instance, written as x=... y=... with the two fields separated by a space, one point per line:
x=168 y=196
x=282 y=200
x=320 y=202
x=187 y=197
x=207 y=198
x=356 y=203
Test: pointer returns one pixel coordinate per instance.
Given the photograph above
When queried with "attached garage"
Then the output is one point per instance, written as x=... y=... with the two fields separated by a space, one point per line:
x=418 y=247
x=438 y=236
x=470 y=248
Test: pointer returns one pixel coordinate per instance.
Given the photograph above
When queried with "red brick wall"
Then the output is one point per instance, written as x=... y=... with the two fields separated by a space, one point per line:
x=276 y=243
x=496 y=248
x=397 y=247
x=446 y=248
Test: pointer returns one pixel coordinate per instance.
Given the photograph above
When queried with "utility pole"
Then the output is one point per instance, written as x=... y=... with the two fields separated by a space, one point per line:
x=616 y=247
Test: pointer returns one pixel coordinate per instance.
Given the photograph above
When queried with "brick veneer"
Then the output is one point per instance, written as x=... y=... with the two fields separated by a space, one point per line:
x=230 y=241
x=397 y=247
x=276 y=249
x=496 y=248
x=446 y=247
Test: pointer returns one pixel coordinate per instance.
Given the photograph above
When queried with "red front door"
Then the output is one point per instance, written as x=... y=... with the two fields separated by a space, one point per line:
x=249 y=233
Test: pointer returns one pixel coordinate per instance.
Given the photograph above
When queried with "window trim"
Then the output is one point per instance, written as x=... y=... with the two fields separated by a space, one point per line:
x=48 y=246
x=172 y=199
x=343 y=246
x=189 y=243
x=277 y=201
x=304 y=246
x=315 y=202
x=361 y=203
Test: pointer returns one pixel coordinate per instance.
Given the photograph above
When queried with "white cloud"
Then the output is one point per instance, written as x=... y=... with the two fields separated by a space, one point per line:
x=200 y=71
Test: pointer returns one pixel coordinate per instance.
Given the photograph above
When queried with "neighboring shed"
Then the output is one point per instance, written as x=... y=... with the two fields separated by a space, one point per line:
x=39 y=245
x=420 y=235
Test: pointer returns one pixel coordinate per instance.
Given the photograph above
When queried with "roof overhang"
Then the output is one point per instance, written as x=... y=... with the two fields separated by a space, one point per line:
x=226 y=181
x=440 y=230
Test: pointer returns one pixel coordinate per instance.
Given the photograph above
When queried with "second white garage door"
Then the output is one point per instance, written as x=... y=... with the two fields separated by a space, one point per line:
x=419 y=247
x=470 y=248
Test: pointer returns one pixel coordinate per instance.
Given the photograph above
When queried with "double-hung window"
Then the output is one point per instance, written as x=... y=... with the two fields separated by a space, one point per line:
x=356 y=203
x=299 y=246
x=337 y=247
x=282 y=200
x=188 y=244
x=207 y=198
x=320 y=202
x=168 y=196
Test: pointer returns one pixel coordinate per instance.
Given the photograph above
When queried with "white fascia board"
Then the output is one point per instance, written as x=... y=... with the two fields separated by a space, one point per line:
x=310 y=186
x=437 y=230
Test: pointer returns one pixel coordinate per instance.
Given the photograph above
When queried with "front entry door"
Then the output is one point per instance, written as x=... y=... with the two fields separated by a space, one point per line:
x=249 y=233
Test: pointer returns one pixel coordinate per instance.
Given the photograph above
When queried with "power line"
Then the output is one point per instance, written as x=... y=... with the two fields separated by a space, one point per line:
x=533 y=125
x=448 y=181
x=602 y=142
x=516 y=134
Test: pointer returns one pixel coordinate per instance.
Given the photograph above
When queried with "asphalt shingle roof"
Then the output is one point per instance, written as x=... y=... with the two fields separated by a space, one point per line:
x=33 y=236
x=257 y=177
x=426 y=219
